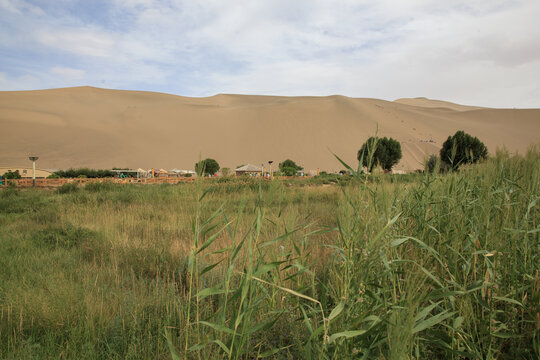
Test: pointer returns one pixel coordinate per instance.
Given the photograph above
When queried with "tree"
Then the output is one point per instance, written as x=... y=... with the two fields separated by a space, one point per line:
x=12 y=175
x=207 y=167
x=462 y=148
x=383 y=151
x=289 y=168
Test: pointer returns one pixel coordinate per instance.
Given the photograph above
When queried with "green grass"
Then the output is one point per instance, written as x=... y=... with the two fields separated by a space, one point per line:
x=377 y=267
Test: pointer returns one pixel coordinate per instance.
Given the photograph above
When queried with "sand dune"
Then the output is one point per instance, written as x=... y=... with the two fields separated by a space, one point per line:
x=102 y=128
x=429 y=103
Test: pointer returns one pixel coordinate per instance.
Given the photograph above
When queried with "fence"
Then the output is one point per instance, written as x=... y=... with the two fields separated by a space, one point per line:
x=51 y=183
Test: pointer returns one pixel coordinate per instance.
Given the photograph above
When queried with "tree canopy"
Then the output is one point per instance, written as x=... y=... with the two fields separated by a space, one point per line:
x=462 y=148
x=385 y=152
x=12 y=175
x=85 y=172
x=289 y=168
x=207 y=167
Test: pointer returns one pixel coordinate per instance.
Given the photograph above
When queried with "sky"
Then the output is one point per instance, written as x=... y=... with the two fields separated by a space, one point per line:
x=484 y=53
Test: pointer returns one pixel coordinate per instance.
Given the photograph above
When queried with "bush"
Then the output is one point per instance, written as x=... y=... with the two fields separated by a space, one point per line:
x=434 y=164
x=68 y=188
x=385 y=152
x=207 y=167
x=462 y=148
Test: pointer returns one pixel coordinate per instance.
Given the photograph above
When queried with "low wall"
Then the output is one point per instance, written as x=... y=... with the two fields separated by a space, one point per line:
x=46 y=183
x=52 y=183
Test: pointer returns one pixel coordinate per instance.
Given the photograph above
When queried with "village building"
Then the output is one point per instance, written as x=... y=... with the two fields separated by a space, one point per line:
x=177 y=172
x=132 y=173
x=26 y=172
x=248 y=169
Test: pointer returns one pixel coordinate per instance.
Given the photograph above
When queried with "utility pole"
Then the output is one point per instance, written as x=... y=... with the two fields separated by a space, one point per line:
x=33 y=159
x=271 y=172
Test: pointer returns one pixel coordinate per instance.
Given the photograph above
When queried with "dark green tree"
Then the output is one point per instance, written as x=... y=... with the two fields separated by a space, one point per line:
x=289 y=168
x=207 y=167
x=12 y=175
x=462 y=148
x=385 y=152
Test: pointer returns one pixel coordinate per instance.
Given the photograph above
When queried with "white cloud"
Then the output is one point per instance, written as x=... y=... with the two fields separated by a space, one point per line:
x=24 y=82
x=10 y=5
x=67 y=73
x=20 y=6
x=81 y=42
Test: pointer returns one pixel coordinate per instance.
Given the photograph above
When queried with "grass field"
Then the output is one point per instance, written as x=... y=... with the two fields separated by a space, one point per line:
x=418 y=266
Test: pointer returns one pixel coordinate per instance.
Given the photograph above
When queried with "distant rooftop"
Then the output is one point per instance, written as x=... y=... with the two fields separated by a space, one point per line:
x=249 y=168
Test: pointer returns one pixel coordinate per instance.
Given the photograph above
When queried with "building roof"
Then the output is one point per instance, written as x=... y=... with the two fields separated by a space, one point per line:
x=4 y=169
x=249 y=168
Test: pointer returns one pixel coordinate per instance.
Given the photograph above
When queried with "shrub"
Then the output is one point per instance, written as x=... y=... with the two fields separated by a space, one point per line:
x=462 y=148
x=432 y=163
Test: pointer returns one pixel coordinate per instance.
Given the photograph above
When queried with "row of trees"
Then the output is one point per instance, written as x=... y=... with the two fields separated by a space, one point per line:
x=84 y=173
x=12 y=175
x=70 y=173
x=459 y=149
x=210 y=167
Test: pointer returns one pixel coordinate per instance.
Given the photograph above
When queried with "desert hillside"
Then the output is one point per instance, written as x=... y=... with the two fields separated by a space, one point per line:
x=101 y=128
